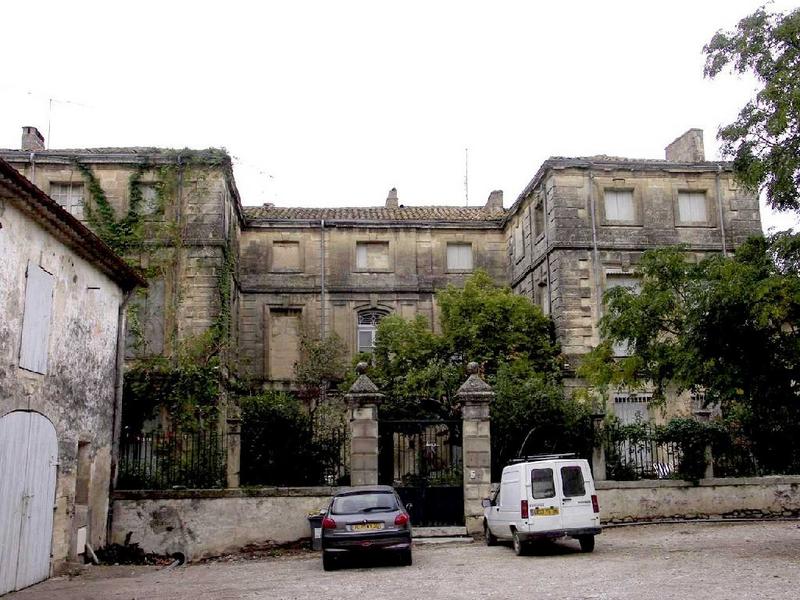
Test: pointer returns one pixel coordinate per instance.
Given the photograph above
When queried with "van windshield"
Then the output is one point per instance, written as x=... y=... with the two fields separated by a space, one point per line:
x=542 y=485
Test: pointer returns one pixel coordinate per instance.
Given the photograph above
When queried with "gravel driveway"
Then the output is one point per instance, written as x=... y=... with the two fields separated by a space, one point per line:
x=692 y=560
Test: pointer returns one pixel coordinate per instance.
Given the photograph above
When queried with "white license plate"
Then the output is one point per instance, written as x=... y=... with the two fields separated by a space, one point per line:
x=366 y=526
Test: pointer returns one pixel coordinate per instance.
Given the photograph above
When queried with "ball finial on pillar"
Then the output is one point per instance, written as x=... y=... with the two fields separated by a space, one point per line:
x=472 y=368
x=361 y=368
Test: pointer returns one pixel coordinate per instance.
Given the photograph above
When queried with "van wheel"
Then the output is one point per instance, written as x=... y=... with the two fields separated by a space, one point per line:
x=587 y=543
x=519 y=545
x=488 y=536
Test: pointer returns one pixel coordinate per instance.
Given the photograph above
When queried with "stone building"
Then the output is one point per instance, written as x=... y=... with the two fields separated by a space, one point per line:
x=62 y=299
x=577 y=228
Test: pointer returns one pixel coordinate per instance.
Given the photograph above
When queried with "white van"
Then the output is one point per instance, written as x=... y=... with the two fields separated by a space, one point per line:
x=541 y=497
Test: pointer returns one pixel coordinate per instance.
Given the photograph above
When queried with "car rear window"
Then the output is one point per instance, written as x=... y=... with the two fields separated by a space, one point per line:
x=542 y=485
x=572 y=481
x=364 y=503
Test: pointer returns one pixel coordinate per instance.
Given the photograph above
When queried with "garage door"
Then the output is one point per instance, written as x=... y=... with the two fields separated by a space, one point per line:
x=28 y=463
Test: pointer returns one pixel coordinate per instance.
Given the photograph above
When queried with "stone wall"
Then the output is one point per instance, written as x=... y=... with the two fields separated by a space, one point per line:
x=625 y=501
x=77 y=391
x=202 y=523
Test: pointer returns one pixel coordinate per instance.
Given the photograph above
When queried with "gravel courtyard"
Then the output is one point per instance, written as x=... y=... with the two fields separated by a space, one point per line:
x=707 y=561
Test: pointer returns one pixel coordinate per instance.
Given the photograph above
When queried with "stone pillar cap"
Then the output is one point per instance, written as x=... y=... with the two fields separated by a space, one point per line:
x=363 y=391
x=474 y=389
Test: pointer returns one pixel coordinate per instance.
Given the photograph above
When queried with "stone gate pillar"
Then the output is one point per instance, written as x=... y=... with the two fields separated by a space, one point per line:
x=474 y=397
x=599 y=449
x=363 y=400
x=233 y=450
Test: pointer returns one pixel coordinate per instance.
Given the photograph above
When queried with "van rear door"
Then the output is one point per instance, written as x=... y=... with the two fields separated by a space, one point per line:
x=576 y=491
x=544 y=500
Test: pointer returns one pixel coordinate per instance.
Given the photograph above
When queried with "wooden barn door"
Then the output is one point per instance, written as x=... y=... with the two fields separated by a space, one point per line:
x=28 y=463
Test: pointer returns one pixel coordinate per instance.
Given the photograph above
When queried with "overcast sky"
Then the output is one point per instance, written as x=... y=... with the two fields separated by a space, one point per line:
x=335 y=102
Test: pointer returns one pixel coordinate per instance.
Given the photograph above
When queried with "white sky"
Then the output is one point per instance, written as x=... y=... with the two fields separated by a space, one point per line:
x=334 y=102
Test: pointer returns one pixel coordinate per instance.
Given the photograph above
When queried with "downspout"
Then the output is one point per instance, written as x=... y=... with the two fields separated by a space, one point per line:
x=322 y=279
x=547 y=253
x=33 y=167
x=119 y=372
x=719 y=209
x=595 y=253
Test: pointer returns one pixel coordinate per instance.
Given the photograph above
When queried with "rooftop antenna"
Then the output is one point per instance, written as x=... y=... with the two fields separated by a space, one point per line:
x=49 y=117
x=466 y=176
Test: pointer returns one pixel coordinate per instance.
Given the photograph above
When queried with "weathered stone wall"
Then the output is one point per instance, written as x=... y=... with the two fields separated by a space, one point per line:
x=77 y=391
x=623 y=501
x=280 y=269
x=211 y=522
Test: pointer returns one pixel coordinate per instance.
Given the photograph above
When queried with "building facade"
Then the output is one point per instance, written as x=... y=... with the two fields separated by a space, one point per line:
x=579 y=227
x=62 y=298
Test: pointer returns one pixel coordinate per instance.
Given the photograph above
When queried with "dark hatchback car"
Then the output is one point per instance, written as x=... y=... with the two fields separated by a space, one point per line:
x=370 y=519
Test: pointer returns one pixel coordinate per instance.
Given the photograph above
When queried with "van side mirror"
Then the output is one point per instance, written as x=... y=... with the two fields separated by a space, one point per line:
x=486 y=503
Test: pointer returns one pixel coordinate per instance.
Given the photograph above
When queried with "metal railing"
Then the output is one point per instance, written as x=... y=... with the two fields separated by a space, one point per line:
x=638 y=453
x=170 y=459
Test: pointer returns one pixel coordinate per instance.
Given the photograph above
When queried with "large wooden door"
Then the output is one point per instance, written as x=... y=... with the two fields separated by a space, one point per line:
x=28 y=463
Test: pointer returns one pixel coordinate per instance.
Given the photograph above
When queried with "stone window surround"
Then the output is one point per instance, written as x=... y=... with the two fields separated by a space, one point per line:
x=271 y=256
x=711 y=206
x=279 y=307
x=618 y=184
x=372 y=240
x=458 y=240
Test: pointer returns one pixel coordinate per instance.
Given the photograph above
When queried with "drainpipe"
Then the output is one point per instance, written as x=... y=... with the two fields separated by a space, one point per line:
x=33 y=167
x=595 y=253
x=119 y=372
x=322 y=279
x=719 y=209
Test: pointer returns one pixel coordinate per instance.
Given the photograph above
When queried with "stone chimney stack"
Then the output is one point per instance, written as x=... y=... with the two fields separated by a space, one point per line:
x=391 y=199
x=688 y=148
x=495 y=201
x=32 y=140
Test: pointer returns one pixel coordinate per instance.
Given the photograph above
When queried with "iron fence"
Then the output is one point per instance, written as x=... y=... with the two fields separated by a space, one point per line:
x=639 y=453
x=170 y=459
x=283 y=456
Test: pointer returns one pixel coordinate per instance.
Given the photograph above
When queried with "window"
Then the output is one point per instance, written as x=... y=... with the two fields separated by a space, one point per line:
x=538 y=219
x=692 y=207
x=367 y=329
x=633 y=283
x=619 y=205
x=286 y=256
x=459 y=257
x=36 y=320
x=542 y=485
x=69 y=196
x=632 y=408
x=149 y=204
x=372 y=256
x=519 y=244
x=572 y=481
x=284 y=342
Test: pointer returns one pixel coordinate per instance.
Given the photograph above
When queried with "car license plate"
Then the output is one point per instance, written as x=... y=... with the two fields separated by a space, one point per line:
x=366 y=526
x=545 y=512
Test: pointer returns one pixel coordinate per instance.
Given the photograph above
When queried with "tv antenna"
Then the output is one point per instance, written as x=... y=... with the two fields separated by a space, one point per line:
x=466 y=176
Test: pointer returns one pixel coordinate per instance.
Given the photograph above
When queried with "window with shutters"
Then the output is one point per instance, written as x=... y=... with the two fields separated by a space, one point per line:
x=459 y=257
x=69 y=196
x=538 y=220
x=372 y=256
x=519 y=244
x=619 y=206
x=33 y=351
x=367 y=329
x=633 y=283
x=692 y=208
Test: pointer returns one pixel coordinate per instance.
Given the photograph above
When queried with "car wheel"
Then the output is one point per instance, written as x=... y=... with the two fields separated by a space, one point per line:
x=488 y=536
x=587 y=543
x=328 y=562
x=519 y=545
x=406 y=560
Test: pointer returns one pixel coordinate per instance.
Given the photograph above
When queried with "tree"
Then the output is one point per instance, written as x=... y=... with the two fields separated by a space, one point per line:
x=322 y=363
x=764 y=141
x=726 y=326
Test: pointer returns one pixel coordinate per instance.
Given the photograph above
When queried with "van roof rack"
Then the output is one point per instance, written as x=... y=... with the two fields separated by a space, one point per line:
x=520 y=459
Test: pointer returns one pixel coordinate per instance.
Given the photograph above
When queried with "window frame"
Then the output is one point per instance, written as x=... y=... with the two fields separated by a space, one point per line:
x=376 y=315
x=461 y=243
x=709 y=220
x=54 y=195
x=367 y=269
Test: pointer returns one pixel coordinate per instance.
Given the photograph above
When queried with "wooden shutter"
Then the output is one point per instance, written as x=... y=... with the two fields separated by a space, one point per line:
x=36 y=319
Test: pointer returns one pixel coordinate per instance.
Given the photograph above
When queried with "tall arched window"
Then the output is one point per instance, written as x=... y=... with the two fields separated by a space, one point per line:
x=367 y=328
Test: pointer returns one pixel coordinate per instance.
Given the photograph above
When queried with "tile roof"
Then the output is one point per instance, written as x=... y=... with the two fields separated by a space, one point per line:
x=446 y=214
x=124 y=154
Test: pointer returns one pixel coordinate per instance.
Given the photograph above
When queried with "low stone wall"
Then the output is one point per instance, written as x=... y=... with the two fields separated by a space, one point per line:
x=202 y=523
x=626 y=501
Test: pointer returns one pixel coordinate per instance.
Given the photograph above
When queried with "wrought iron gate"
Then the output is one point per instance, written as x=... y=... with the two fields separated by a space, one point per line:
x=423 y=461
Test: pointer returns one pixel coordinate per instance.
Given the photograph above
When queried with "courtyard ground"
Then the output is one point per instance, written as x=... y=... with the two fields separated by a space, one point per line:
x=691 y=560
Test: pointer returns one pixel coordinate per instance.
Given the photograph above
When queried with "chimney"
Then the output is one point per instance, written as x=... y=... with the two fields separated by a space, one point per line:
x=495 y=201
x=688 y=148
x=32 y=140
x=391 y=199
